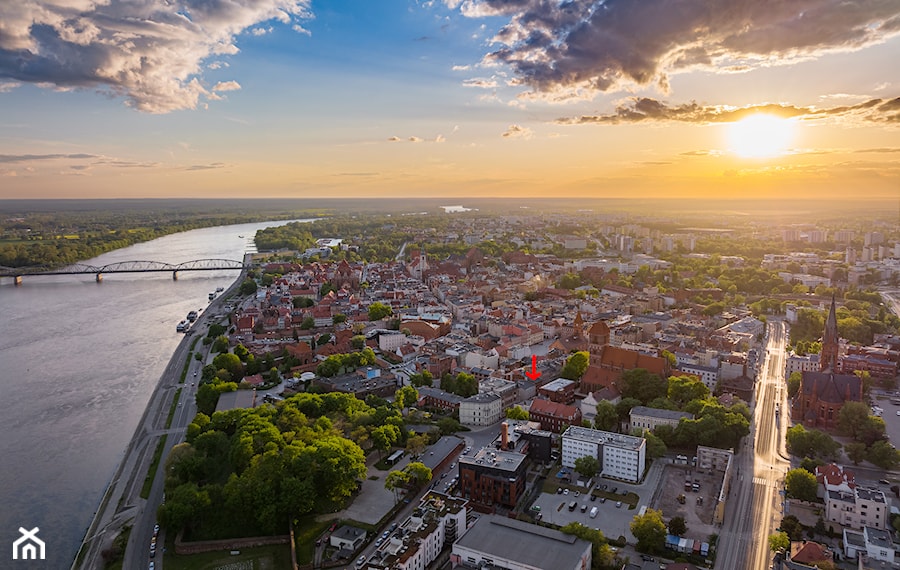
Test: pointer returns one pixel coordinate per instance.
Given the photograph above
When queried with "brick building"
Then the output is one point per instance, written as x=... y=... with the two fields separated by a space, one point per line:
x=491 y=479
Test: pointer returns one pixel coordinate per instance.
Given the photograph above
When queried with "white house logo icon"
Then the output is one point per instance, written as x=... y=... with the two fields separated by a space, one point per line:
x=29 y=546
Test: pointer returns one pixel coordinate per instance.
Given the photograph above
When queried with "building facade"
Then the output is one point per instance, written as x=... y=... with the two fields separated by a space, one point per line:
x=622 y=457
x=491 y=479
x=553 y=416
x=480 y=410
x=650 y=418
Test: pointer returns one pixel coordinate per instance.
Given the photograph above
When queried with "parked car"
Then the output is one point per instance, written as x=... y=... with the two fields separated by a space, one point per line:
x=593 y=497
x=619 y=504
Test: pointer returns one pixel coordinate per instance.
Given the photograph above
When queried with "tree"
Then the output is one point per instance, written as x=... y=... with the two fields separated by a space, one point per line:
x=884 y=455
x=811 y=443
x=307 y=323
x=423 y=378
x=448 y=426
x=384 y=437
x=575 y=366
x=248 y=287
x=339 y=318
x=607 y=418
x=416 y=444
x=643 y=385
x=656 y=447
x=856 y=451
x=378 y=311
x=623 y=408
x=650 y=531
x=601 y=554
x=395 y=481
x=793 y=384
x=852 y=418
x=419 y=474
x=677 y=526
x=220 y=344
x=231 y=363
x=779 y=542
x=517 y=413
x=801 y=484
x=683 y=389
x=792 y=527
x=810 y=464
x=405 y=397
x=358 y=341
x=587 y=466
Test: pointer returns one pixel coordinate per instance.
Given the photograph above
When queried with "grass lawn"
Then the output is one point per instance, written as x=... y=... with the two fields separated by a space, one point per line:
x=306 y=531
x=151 y=473
x=274 y=557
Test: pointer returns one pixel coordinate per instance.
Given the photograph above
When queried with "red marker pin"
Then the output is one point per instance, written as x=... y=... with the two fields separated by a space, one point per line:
x=534 y=374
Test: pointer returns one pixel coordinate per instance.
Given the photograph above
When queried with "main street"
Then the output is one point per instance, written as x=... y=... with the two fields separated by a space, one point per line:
x=753 y=510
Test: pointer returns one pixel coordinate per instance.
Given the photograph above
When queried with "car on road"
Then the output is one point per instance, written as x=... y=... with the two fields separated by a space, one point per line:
x=152 y=565
x=884 y=481
x=385 y=534
x=379 y=541
x=360 y=561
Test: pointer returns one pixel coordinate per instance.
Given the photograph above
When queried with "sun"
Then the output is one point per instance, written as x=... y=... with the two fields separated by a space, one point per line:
x=760 y=136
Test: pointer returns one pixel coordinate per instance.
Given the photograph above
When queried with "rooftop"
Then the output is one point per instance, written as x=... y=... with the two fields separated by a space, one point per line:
x=503 y=460
x=657 y=413
x=557 y=385
x=528 y=544
x=870 y=495
x=604 y=437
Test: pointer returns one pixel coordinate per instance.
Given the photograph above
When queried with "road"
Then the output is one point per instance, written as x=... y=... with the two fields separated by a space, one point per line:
x=122 y=503
x=753 y=510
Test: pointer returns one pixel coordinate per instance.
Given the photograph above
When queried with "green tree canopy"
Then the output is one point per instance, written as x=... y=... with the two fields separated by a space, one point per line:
x=517 y=413
x=378 y=311
x=811 y=443
x=793 y=384
x=587 y=466
x=883 y=454
x=779 y=542
x=650 y=531
x=683 y=389
x=420 y=379
x=801 y=484
x=643 y=385
x=575 y=366
x=607 y=418
x=677 y=526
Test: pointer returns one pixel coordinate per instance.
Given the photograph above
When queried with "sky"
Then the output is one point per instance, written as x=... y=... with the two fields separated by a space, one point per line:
x=450 y=98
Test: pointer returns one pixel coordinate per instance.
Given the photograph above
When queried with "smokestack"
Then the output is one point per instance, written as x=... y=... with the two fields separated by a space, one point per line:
x=504 y=436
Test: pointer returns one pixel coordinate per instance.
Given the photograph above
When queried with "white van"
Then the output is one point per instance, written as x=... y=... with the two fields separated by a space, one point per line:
x=594 y=513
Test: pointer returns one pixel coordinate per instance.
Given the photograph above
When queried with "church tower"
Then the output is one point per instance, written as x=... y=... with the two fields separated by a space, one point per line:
x=829 y=358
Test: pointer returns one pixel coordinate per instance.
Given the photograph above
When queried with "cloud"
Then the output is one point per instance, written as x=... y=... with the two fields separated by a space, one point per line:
x=517 y=131
x=577 y=48
x=10 y=158
x=460 y=68
x=414 y=139
x=211 y=166
x=645 y=109
x=480 y=83
x=227 y=86
x=261 y=31
x=394 y=139
x=149 y=51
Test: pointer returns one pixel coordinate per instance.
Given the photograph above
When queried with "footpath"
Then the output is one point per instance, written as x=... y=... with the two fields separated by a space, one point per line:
x=122 y=503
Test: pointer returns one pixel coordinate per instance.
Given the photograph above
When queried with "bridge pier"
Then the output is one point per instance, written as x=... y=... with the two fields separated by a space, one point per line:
x=17 y=280
x=99 y=278
x=174 y=276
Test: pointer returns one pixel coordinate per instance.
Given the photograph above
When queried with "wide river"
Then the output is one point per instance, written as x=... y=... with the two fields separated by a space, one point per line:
x=78 y=363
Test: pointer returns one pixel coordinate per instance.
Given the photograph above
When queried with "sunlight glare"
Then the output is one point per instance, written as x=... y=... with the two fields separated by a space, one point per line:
x=760 y=136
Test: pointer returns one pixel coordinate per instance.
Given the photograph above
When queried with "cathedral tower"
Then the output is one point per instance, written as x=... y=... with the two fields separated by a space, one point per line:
x=829 y=358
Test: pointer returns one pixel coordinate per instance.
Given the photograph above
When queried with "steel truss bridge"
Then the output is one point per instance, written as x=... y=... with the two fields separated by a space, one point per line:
x=17 y=273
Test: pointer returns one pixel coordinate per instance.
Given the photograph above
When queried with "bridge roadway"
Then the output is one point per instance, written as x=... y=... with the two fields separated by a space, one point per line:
x=17 y=273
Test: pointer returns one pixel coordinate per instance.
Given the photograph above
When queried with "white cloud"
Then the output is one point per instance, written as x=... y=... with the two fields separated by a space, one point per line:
x=149 y=51
x=414 y=139
x=301 y=30
x=227 y=86
x=480 y=82
x=579 y=47
x=517 y=132
x=261 y=31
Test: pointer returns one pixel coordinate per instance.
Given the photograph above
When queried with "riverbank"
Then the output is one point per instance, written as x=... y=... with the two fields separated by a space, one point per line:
x=121 y=503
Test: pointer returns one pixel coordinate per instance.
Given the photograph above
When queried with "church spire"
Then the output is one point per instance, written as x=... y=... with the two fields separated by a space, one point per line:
x=829 y=356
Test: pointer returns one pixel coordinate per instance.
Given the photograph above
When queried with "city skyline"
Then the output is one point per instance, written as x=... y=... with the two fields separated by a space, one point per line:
x=291 y=98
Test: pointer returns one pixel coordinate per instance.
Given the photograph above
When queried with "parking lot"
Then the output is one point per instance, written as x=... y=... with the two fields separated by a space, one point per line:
x=613 y=521
x=697 y=516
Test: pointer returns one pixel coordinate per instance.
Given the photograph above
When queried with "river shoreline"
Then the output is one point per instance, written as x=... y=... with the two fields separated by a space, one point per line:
x=121 y=503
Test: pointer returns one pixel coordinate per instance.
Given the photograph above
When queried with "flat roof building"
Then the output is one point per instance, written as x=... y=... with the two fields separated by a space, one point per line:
x=501 y=542
x=491 y=479
x=621 y=456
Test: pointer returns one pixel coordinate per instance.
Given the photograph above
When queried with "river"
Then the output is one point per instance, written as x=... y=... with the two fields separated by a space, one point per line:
x=78 y=363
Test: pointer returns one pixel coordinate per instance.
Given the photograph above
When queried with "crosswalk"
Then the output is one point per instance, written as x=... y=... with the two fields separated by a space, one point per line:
x=763 y=482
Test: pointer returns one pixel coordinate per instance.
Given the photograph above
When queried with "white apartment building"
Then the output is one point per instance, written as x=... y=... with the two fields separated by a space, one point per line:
x=391 y=342
x=420 y=539
x=621 y=456
x=709 y=375
x=480 y=410
x=872 y=543
x=857 y=509
x=794 y=363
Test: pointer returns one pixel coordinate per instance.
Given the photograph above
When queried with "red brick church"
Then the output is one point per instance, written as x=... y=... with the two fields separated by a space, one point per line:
x=822 y=394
